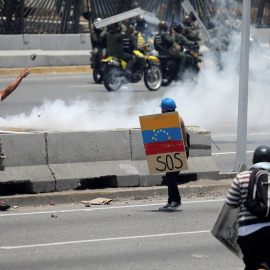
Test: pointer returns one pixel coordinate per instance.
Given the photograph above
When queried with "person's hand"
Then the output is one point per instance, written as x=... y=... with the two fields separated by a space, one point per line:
x=24 y=73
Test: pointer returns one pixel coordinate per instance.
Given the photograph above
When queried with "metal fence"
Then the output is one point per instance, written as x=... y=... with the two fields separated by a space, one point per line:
x=75 y=16
x=42 y=16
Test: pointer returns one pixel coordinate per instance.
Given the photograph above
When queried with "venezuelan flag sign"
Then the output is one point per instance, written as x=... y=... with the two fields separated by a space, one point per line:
x=163 y=143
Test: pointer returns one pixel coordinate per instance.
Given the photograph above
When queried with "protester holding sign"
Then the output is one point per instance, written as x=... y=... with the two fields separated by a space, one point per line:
x=253 y=231
x=166 y=147
x=174 y=198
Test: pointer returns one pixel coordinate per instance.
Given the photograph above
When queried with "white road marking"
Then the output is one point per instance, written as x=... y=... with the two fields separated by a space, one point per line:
x=102 y=208
x=234 y=135
x=102 y=240
x=229 y=153
x=85 y=85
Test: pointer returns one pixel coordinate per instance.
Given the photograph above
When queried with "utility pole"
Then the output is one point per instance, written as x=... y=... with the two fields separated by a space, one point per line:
x=240 y=164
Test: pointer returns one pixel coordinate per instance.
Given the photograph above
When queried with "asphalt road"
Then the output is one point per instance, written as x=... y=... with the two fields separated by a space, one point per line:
x=123 y=235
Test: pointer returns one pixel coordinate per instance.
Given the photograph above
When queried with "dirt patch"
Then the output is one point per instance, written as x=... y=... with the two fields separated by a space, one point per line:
x=15 y=129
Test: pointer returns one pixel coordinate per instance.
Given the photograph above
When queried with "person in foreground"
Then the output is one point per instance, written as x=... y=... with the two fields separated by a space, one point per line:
x=253 y=232
x=174 y=198
x=3 y=95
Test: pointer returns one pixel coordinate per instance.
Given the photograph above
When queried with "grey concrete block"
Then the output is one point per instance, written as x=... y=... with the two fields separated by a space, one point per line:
x=65 y=42
x=45 y=42
x=39 y=177
x=69 y=175
x=69 y=147
x=67 y=184
x=151 y=180
x=137 y=146
x=57 y=161
x=24 y=149
x=204 y=167
x=200 y=140
x=128 y=180
x=67 y=60
x=45 y=60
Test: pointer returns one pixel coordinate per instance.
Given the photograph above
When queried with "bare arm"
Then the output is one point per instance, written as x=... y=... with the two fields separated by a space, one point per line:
x=12 y=87
x=184 y=132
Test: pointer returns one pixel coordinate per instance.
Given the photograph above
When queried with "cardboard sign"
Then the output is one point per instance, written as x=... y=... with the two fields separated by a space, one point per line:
x=163 y=143
x=226 y=227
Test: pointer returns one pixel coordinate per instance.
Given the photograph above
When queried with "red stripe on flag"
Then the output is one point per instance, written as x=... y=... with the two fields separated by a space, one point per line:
x=164 y=147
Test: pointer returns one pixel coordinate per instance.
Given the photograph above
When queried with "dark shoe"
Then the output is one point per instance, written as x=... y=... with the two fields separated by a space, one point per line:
x=4 y=206
x=165 y=207
x=174 y=205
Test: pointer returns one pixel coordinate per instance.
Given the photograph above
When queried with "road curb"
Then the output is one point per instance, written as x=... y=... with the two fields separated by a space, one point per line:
x=49 y=69
x=200 y=188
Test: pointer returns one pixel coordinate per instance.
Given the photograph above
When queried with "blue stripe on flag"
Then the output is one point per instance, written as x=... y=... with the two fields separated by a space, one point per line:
x=162 y=135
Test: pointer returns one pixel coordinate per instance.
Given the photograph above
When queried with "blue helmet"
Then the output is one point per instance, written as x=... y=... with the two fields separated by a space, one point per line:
x=168 y=104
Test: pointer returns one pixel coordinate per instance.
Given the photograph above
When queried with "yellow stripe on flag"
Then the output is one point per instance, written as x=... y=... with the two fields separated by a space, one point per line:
x=158 y=121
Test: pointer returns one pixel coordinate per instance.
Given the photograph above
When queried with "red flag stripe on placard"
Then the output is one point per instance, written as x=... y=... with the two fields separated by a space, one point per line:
x=164 y=147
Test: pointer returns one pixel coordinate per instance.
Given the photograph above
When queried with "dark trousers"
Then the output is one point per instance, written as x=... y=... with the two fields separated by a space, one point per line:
x=171 y=179
x=256 y=249
x=130 y=59
x=173 y=192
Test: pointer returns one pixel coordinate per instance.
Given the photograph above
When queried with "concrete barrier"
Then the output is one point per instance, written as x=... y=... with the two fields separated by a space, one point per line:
x=46 y=42
x=58 y=161
x=51 y=50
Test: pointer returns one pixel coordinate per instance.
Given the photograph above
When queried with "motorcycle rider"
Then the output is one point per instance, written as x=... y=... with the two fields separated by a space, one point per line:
x=115 y=45
x=189 y=21
x=142 y=27
x=165 y=45
x=130 y=44
x=180 y=38
x=98 y=44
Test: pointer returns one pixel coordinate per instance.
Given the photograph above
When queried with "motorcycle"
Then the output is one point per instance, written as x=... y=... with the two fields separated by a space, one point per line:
x=170 y=66
x=115 y=73
x=97 y=72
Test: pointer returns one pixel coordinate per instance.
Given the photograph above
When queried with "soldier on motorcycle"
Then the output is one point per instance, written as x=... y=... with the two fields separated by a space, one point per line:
x=130 y=44
x=179 y=38
x=115 y=45
x=142 y=27
x=190 y=30
x=98 y=37
x=165 y=45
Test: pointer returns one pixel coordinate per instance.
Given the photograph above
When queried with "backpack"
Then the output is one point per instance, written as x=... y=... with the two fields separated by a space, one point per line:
x=258 y=197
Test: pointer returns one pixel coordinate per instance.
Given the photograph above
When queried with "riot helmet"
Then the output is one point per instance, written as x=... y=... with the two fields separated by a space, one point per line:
x=179 y=28
x=117 y=26
x=163 y=25
x=261 y=154
x=187 y=21
x=97 y=20
x=140 y=19
x=95 y=28
x=168 y=104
